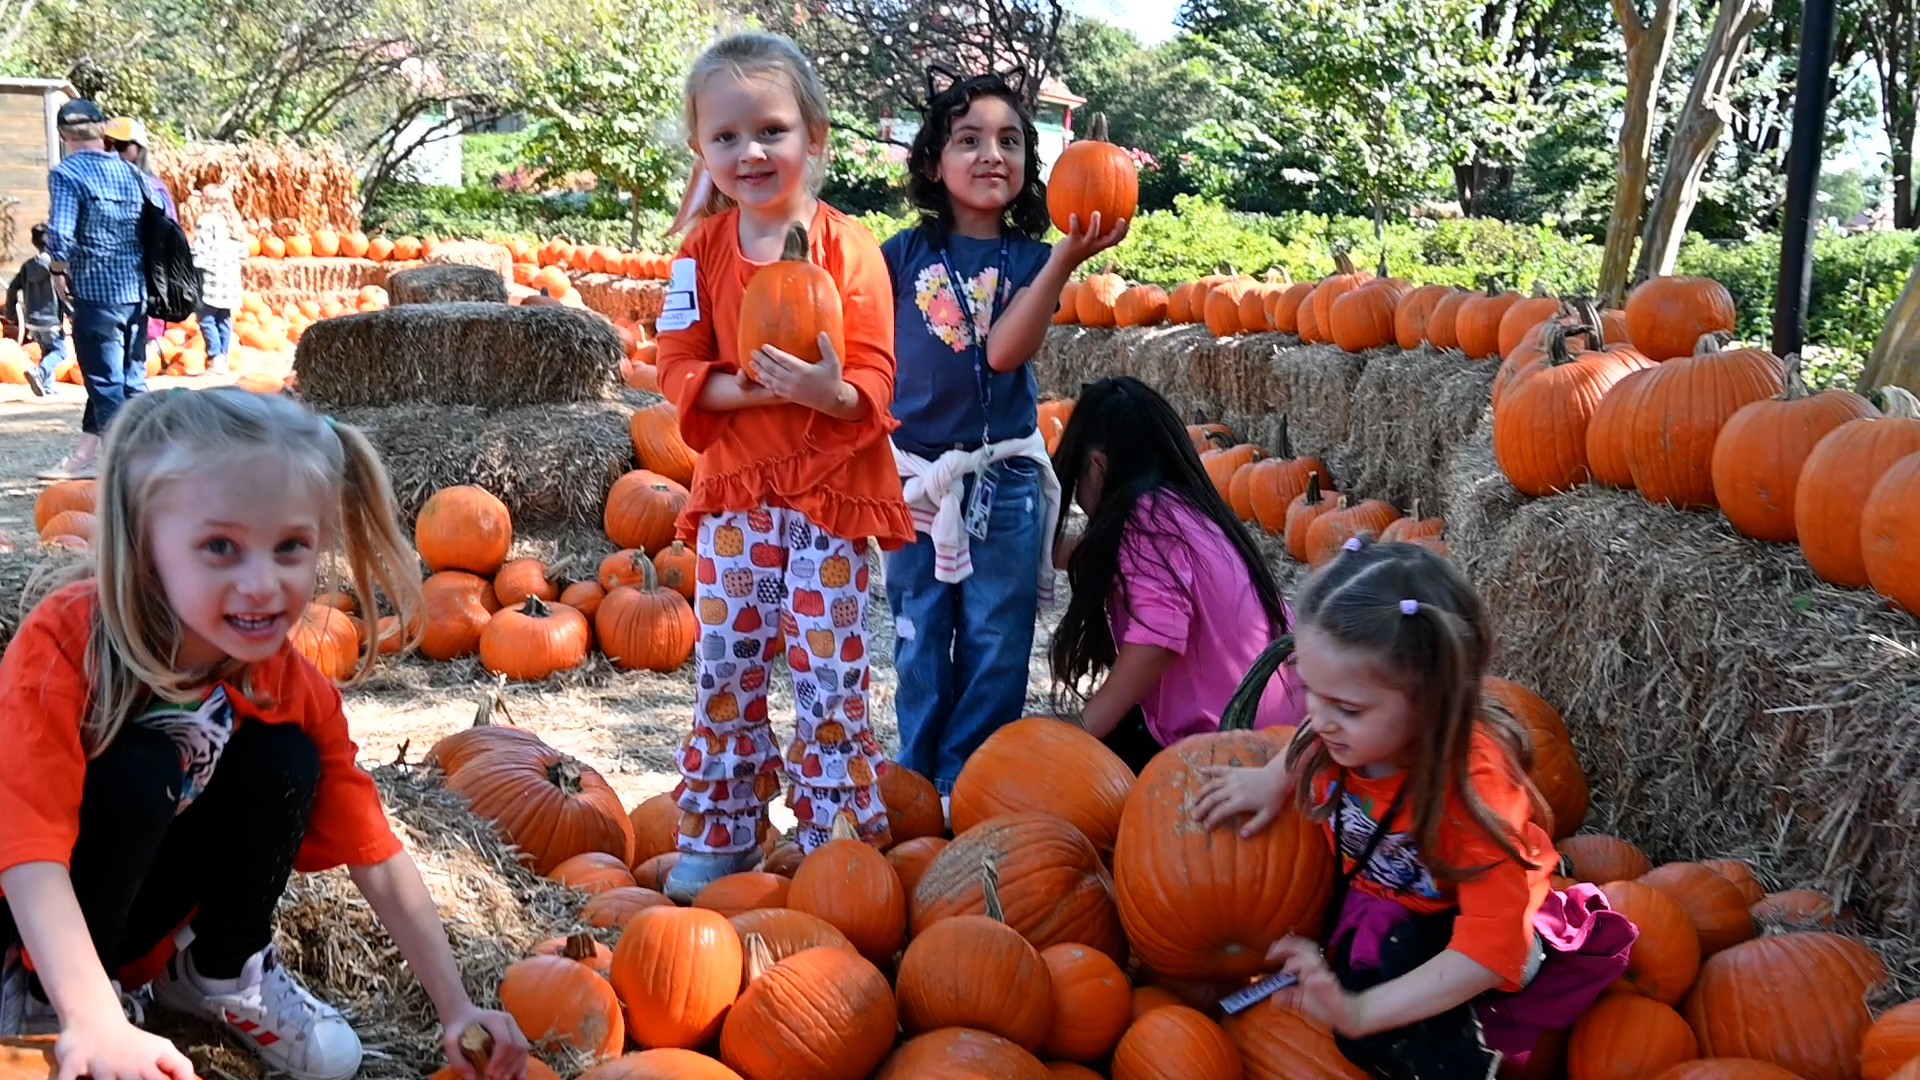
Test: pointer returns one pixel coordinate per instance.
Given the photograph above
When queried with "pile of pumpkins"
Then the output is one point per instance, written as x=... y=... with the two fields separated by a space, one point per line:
x=1076 y=923
x=526 y=619
x=286 y=240
x=563 y=255
x=1629 y=400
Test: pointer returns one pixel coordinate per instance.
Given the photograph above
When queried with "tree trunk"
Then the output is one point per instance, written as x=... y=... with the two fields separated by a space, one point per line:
x=1896 y=356
x=634 y=199
x=1707 y=113
x=1649 y=41
x=1893 y=36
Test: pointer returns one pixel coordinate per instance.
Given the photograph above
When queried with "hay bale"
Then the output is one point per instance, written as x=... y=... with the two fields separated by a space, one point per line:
x=311 y=276
x=490 y=355
x=551 y=464
x=305 y=187
x=445 y=284
x=620 y=297
x=1411 y=412
x=494 y=257
x=495 y=911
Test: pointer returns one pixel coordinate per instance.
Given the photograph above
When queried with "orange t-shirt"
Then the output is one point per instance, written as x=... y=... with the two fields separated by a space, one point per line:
x=840 y=473
x=1494 y=924
x=44 y=693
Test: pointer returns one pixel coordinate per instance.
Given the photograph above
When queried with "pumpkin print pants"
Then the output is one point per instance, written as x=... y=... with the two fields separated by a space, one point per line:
x=768 y=580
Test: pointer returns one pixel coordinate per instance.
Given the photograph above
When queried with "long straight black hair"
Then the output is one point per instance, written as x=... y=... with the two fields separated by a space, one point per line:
x=1147 y=452
x=1027 y=213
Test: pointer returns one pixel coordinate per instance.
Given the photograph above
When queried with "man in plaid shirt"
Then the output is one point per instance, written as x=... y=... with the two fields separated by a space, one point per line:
x=93 y=236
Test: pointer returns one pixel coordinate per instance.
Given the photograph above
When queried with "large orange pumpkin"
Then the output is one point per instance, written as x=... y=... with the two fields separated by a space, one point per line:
x=1283 y=308
x=61 y=497
x=534 y=641
x=1598 y=858
x=521 y=578
x=1477 y=322
x=1141 y=305
x=1092 y=1003
x=677 y=565
x=824 y=1014
x=975 y=971
x=959 y=1053
x=848 y=883
x=1044 y=764
x=655 y=431
x=592 y=872
x=617 y=906
x=1275 y=483
x=656 y=827
x=1093 y=176
x=1714 y=904
x=1221 y=308
x=1306 y=508
x=1207 y=904
x=913 y=803
x=452 y=753
x=1540 y=425
x=1362 y=319
x=545 y=802
x=677 y=971
x=1330 y=531
x=1609 y=432
x=664 y=1064
x=1053 y=887
x=1758 y=457
x=1679 y=411
x=1523 y=316
x=1556 y=768
x=1094 y=301
x=644 y=627
x=1794 y=1000
x=1628 y=1037
x=1890 y=534
x=1174 y=1042
x=329 y=638
x=1277 y=1042
x=1667 y=315
x=748 y=890
x=463 y=528
x=911 y=859
x=1067 y=312
x=641 y=510
x=1891 y=1042
x=1666 y=955
x=786 y=931
x=1444 y=323
x=788 y=304
x=1741 y=874
x=1836 y=479
x=561 y=1004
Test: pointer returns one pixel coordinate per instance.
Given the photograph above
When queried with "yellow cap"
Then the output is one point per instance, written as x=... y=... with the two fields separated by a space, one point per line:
x=126 y=129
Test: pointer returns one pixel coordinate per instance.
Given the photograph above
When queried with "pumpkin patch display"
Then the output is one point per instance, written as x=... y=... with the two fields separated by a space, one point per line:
x=550 y=805
x=1758 y=457
x=975 y=971
x=822 y=1014
x=1041 y=764
x=850 y=885
x=677 y=971
x=463 y=528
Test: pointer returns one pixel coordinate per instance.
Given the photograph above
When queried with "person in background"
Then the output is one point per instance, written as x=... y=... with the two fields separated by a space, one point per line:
x=217 y=252
x=93 y=237
x=37 y=309
x=127 y=137
x=1172 y=601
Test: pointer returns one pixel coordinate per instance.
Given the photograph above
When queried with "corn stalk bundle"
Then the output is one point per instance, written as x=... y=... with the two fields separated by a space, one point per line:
x=277 y=187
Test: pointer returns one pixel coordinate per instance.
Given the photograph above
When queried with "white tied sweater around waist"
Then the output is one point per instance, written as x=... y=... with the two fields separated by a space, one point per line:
x=934 y=491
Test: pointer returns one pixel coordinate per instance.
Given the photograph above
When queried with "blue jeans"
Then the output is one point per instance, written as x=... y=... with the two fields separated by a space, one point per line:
x=216 y=329
x=110 y=342
x=961 y=650
x=53 y=349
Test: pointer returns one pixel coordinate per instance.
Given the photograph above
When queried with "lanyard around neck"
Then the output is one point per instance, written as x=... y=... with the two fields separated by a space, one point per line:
x=981 y=375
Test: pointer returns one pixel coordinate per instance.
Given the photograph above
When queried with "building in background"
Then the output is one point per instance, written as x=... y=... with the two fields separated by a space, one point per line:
x=29 y=149
x=1052 y=121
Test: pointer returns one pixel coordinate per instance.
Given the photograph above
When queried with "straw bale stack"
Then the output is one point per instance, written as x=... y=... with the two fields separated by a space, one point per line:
x=446 y=283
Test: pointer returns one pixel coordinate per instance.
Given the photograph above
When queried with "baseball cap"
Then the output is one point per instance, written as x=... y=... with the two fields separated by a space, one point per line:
x=126 y=129
x=79 y=111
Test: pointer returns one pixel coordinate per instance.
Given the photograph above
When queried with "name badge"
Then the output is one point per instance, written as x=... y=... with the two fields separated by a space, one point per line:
x=980 y=506
x=681 y=308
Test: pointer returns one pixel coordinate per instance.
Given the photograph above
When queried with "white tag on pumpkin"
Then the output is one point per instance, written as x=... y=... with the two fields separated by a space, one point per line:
x=681 y=307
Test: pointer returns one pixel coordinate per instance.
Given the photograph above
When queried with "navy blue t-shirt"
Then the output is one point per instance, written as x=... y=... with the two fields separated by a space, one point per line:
x=936 y=394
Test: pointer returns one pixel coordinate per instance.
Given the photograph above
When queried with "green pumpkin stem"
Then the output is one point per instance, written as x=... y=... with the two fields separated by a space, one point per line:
x=1245 y=704
x=759 y=959
x=535 y=608
x=990 y=890
x=1795 y=383
x=1097 y=128
x=1313 y=496
x=796 y=247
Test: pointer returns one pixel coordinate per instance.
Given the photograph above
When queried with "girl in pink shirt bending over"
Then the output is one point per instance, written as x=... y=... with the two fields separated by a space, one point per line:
x=1171 y=599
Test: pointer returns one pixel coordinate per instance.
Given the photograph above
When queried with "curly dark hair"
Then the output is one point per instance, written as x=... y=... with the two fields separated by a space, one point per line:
x=1027 y=213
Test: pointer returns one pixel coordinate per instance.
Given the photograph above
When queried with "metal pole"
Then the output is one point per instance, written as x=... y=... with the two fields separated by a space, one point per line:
x=1803 y=176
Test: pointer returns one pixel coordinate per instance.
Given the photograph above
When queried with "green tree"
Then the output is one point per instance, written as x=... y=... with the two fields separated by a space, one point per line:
x=612 y=105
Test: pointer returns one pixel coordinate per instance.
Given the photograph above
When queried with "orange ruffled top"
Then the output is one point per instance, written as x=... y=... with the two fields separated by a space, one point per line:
x=840 y=473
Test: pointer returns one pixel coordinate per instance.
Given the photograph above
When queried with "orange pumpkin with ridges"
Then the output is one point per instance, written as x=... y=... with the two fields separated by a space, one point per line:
x=1039 y=763
x=677 y=971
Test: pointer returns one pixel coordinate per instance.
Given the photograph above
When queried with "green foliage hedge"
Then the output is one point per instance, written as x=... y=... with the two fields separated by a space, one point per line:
x=1855 y=278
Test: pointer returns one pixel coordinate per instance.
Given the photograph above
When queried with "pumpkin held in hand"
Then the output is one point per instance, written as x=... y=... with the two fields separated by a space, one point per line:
x=789 y=303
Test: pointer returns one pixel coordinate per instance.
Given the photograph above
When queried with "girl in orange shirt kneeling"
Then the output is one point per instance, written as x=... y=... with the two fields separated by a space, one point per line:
x=795 y=470
x=177 y=759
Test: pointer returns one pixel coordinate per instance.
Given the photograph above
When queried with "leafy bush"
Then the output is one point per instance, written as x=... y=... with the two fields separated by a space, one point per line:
x=482 y=212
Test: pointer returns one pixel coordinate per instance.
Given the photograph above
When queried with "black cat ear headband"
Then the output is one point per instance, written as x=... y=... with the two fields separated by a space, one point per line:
x=941 y=79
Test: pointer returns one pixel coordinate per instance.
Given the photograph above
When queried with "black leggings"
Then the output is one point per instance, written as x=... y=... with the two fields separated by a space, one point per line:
x=1133 y=741
x=138 y=869
x=1448 y=1046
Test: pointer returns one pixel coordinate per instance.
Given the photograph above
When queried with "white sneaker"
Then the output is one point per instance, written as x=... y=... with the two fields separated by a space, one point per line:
x=292 y=1031
x=218 y=366
x=23 y=1013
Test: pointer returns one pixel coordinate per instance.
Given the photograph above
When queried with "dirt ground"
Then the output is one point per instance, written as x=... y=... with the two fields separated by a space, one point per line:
x=624 y=724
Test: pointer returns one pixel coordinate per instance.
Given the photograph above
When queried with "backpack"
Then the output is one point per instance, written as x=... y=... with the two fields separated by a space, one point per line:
x=173 y=283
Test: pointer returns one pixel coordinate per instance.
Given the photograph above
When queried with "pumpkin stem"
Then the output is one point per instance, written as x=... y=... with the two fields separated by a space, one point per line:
x=1282 y=438
x=990 y=890
x=844 y=827
x=476 y=1045
x=1245 y=704
x=1097 y=128
x=565 y=775
x=493 y=699
x=795 y=248
x=1796 y=384
x=1313 y=497
x=580 y=946
x=1557 y=351
x=1286 y=276
x=535 y=608
x=1711 y=343
x=1493 y=286
x=1895 y=401
x=649 y=574
x=1586 y=310
x=759 y=958
x=1540 y=289
x=1342 y=263
x=1383 y=264
x=554 y=569
x=1223 y=438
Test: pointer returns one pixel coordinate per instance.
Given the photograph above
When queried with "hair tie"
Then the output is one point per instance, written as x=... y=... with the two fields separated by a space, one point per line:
x=1409 y=607
x=1352 y=544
